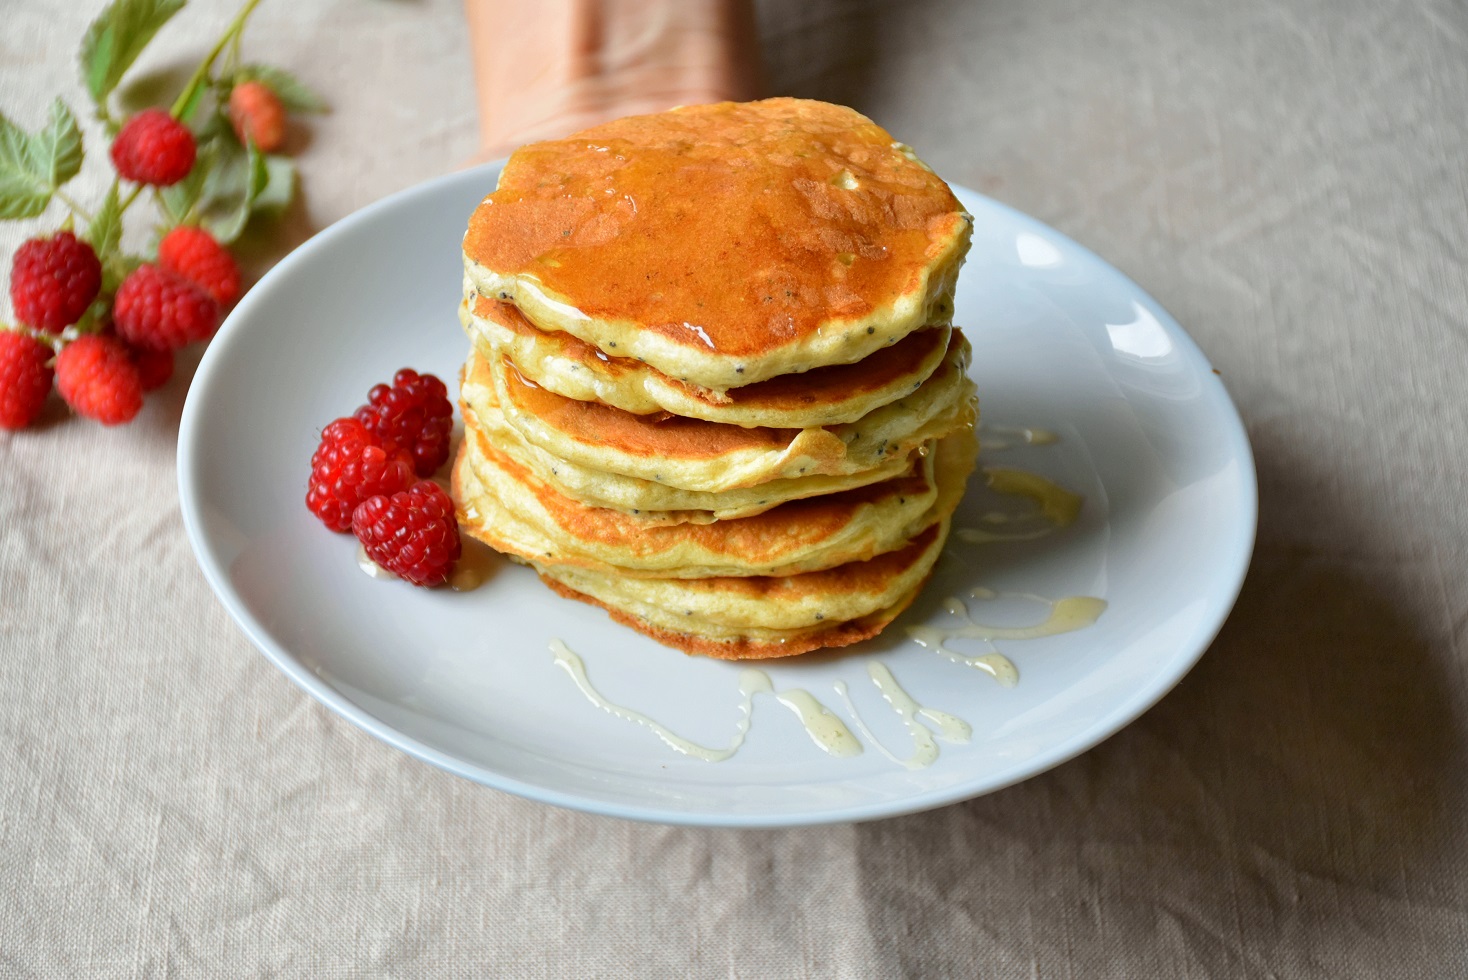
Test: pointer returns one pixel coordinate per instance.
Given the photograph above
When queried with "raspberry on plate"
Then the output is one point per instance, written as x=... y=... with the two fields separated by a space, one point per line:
x=97 y=378
x=412 y=534
x=191 y=252
x=348 y=467
x=257 y=114
x=154 y=148
x=53 y=281
x=415 y=414
x=25 y=378
x=156 y=308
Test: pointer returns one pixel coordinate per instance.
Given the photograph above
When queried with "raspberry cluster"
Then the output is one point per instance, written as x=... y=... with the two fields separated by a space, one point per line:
x=91 y=321
x=102 y=372
x=363 y=478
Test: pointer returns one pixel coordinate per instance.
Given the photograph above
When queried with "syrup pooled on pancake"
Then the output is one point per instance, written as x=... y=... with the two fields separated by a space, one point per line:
x=724 y=244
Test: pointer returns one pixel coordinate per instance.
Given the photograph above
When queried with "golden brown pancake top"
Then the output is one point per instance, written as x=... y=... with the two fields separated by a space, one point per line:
x=736 y=227
x=821 y=386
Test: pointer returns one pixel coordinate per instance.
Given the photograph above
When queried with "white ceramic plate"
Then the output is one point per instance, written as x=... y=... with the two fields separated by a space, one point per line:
x=466 y=680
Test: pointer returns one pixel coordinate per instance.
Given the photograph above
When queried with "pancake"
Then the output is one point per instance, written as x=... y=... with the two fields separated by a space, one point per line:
x=747 y=617
x=731 y=605
x=654 y=503
x=509 y=509
x=723 y=244
x=708 y=457
x=523 y=516
x=762 y=617
x=575 y=369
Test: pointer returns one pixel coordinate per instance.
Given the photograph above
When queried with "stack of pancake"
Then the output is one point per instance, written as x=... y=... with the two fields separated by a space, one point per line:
x=713 y=387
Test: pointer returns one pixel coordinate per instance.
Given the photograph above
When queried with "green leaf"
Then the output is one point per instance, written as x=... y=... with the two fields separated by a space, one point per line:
x=231 y=190
x=58 y=148
x=291 y=91
x=115 y=40
x=179 y=200
x=23 y=192
x=34 y=165
x=104 y=231
x=280 y=185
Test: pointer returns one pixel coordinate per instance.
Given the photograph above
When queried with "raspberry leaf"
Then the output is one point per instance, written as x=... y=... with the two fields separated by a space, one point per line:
x=22 y=194
x=291 y=91
x=280 y=185
x=232 y=188
x=116 y=38
x=104 y=231
x=58 y=147
x=34 y=165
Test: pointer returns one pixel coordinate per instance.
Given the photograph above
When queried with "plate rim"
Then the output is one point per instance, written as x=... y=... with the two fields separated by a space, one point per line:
x=190 y=457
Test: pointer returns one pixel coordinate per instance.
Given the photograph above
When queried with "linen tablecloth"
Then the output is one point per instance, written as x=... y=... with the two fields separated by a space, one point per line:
x=1286 y=176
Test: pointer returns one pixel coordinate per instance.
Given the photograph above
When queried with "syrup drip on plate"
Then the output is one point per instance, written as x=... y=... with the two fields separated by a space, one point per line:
x=925 y=751
x=1065 y=616
x=823 y=727
x=477 y=562
x=1027 y=434
x=1055 y=507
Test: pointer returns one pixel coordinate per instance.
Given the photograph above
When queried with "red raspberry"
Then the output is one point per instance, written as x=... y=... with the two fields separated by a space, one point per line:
x=25 y=378
x=53 y=281
x=154 y=366
x=257 y=115
x=97 y=378
x=154 y=148
x=348 y=467
x=412 y=534
x=193 y=253
x=415 y=414
x=155 y=308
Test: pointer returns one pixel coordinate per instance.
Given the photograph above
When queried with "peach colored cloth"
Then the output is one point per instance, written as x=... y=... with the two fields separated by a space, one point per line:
x=1286 y=176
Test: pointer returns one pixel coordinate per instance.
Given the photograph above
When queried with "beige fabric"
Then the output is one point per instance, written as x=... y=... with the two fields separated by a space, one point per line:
x=1286 y=176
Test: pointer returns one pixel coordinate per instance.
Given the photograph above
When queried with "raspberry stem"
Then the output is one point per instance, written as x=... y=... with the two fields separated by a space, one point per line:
x=235 y=27
x=76 y=208
x=232 y=63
